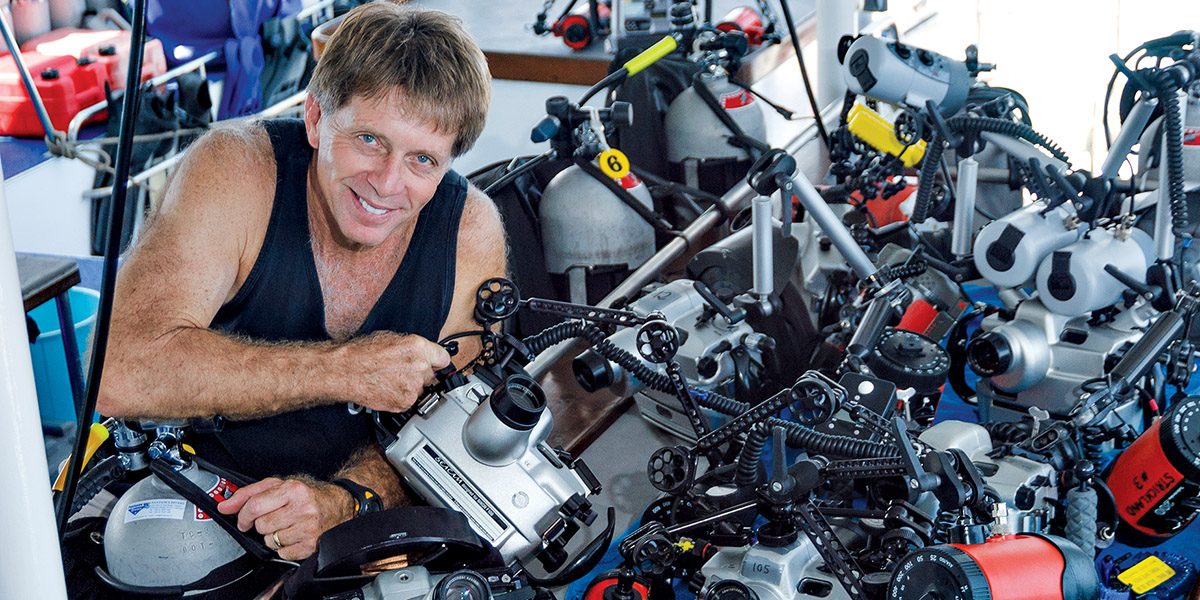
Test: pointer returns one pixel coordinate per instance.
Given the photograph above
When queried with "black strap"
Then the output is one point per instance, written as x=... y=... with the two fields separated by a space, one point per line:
x=740 y=138
x=647 y=215
x=232 y=476
x=185 y=488
x=221 y=576
x=366 y=500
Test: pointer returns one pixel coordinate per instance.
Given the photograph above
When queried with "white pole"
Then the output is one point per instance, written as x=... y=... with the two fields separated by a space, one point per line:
x=31 y=563
x=835 y=18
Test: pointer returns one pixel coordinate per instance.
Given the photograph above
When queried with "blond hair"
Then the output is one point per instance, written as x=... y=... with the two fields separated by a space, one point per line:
x=381 y=47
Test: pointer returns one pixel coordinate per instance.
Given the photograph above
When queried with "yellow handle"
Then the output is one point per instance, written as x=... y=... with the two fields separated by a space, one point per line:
x=97 y=435
x=651 y=55
x=870 y=127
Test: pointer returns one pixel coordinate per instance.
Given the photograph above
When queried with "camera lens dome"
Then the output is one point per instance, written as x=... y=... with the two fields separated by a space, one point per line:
x=462 y=585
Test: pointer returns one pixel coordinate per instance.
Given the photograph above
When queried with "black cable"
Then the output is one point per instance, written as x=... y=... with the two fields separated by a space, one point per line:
x=510 y=176
x=1172 y=132
x=1108 y=96
x=750 y=458
x=608 y=80
x=972 y=126
x=798 y=436
x=808 y=88
x=783 y=111
x=925 y=180
x=116 y=220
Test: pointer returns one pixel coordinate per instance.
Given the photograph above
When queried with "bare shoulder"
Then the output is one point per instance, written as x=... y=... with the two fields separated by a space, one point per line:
x=482 y=254
x=215 y=211
x=481 y=231
x=227 y=164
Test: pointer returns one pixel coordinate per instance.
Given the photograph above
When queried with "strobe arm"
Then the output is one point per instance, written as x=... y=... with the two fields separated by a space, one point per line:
x=776 y=170
x=592 y=314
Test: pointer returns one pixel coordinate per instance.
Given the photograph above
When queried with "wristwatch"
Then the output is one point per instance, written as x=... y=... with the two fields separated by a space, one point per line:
x=365 y=498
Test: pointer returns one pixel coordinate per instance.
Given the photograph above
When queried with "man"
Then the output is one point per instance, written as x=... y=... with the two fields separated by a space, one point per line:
x=298 y=266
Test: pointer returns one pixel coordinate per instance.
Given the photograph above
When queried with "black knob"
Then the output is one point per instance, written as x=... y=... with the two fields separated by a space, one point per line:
x=925 y=57
x=621 y=114
x=1085 y=470
x=902 y=51
x=989 y=354
x=1025 y=498
x=108 y=50
x=50 y=74
x=558 y=106
x=576 y=32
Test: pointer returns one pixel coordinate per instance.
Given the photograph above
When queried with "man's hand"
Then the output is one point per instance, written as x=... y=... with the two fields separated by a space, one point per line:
x=388 y=371
x=290 y=514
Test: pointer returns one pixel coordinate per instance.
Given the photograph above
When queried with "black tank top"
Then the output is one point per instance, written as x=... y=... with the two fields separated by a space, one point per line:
x=281 y=301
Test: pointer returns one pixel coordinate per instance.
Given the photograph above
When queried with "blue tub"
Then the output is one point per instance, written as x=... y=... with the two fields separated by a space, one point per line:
x=49 y=360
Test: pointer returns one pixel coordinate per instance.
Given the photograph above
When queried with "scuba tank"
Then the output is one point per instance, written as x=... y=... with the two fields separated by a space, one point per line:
x=163 y=536
x=712 y=126
x=585 y=226
x=595 y=215
x=156 y=538
x=700 y=152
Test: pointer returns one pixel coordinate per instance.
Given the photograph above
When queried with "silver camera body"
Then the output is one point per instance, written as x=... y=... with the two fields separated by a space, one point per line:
x=1040 y=358
x=485 y=455
x=705 y=355
x=417 y=583
x=1028 y=488
x=787 y=573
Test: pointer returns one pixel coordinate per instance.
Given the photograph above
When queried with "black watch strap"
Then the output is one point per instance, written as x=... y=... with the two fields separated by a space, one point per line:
x=365 y=498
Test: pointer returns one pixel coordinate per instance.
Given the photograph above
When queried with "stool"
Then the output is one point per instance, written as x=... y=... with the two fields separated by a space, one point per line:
x=43 y=278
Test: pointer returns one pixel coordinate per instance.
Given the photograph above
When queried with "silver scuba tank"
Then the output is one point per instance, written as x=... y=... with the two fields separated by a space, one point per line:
x=585 y=225
x=698 y=149
x=155 y=538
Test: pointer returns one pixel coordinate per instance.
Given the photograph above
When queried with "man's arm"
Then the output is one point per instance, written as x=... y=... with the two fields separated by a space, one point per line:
x=292 y=513
x=482 y=254
x=163 y=361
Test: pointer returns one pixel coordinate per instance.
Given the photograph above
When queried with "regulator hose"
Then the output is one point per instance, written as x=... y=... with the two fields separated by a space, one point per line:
x=973 y=125
x=1173 y=132
x=798 y=436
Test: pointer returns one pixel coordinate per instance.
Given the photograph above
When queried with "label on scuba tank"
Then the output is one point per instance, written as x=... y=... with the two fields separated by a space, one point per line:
x=158 y=508
x=221 y=490
x=446 y=481
x=1191 y=136
x=736 y=99
x=613 y=163
x=1146 y=575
